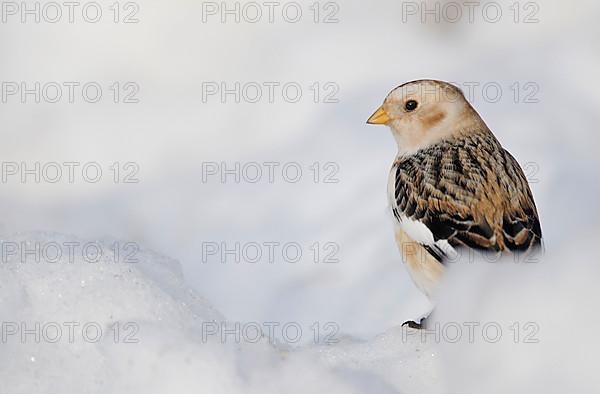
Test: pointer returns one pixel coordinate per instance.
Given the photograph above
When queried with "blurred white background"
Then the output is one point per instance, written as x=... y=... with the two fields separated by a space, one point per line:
x=171 y=52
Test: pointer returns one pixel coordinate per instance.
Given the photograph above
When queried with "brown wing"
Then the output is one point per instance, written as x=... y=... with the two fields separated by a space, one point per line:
x=521 y=224
x=469 y=192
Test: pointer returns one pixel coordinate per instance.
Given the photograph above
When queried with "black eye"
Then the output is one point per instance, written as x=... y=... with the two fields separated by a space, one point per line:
x=410 y=105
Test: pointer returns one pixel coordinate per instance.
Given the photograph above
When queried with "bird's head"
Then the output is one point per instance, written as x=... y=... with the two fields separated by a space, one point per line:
x=421 y=113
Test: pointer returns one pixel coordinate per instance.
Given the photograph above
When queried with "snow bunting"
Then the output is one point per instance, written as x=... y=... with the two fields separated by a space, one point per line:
x=452 y=185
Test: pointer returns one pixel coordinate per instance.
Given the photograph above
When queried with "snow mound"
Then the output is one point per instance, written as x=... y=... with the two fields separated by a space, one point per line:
x=94 y=317
x=87 y=321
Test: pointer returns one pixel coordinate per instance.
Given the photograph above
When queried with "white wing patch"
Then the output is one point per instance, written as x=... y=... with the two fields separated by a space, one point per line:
x=415 y=229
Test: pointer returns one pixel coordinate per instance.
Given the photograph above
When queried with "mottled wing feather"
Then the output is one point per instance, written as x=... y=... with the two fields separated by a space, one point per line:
x=521 y=226
x=470 y=192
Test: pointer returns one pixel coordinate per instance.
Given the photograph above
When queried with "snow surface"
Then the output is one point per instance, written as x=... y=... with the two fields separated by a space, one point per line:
x=170 y=354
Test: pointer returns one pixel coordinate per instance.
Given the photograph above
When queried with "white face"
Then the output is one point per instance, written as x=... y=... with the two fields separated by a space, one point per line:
x=422 y=113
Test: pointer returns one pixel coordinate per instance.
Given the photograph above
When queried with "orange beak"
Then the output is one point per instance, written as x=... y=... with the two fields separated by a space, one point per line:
x=379 y=117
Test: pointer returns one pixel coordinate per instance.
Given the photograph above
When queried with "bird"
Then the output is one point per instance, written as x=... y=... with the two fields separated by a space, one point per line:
x=452 y=186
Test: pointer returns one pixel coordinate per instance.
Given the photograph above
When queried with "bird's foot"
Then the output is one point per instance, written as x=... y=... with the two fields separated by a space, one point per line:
x=414 y=325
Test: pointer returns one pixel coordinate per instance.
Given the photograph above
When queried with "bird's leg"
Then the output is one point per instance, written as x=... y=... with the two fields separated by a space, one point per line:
x=414 y=325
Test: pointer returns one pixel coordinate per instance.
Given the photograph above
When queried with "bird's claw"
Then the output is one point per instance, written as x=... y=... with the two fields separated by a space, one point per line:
x=414 y=325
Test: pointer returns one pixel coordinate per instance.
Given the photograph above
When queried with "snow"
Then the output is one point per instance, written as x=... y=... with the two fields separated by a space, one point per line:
x=553 y=302
x=168 y=346
x=171 y=132
x=168 y=350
